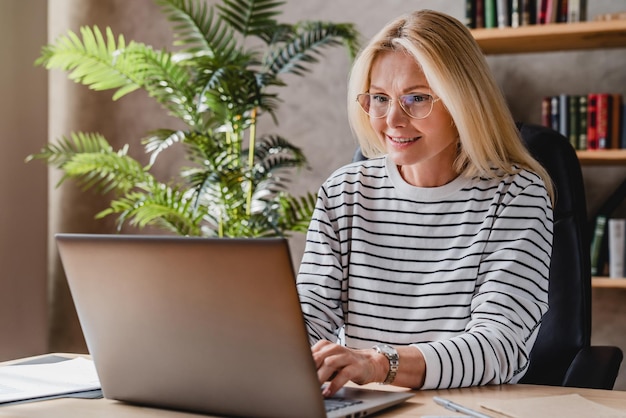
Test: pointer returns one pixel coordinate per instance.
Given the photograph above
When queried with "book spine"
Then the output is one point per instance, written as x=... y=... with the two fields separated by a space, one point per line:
x=516 y=13
x=616 y=120
x=617 y=236
x=592 y=120
x=542 y=11
x=562 y=11
x=502 y=13
x=554 y=113
x=582 y=11
x=623 y=125
x=490 y=14
x=602 y=120
x=564 y=115
x=573 y=11
x=548 y=11
x=582 y=120
x=479 y=9
x=546 y=112
x=470 y=14
x=596 y=244
x=527 y=10
x=573 y=121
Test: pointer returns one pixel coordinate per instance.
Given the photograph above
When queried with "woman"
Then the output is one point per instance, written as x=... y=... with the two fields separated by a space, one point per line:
x=426 y=266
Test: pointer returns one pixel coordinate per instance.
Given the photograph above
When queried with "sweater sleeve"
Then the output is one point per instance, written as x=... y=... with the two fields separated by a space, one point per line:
x=510 y=299
x=320 y=278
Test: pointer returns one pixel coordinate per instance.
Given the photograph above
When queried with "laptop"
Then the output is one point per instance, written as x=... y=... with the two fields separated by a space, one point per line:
x=209 y=325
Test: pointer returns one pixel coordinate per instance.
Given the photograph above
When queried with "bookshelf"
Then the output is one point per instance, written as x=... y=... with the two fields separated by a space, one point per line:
x=602 y=157
x=552 y=37
x=563 y=37
x=605 y=282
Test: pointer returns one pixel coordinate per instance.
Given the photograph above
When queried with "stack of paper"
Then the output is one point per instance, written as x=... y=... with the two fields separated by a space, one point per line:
x=33 y=381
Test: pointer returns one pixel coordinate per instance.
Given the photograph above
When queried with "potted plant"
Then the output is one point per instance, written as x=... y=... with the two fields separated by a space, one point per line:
x=223 y=76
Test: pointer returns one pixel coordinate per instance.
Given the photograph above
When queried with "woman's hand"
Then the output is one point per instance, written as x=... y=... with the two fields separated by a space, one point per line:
x=337 y=365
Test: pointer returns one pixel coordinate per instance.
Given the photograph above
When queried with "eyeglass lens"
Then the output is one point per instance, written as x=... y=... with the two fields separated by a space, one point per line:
x=417 y=106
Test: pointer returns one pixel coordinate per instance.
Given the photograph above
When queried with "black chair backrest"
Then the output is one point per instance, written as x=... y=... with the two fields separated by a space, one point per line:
x=566 y=327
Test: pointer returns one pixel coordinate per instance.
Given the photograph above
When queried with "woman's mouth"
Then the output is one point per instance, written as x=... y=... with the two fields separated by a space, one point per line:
x=399 y=140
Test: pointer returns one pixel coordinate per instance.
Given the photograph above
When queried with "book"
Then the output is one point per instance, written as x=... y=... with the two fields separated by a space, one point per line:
x=623 y=126
x=582 y=122
x=617 y=246
x=516 y=13
x=573 y=11
x=563 y=100
x=592 y=120
x=596 y=244
x=554 y=113
x=479 y=10
x=602 y=120
x=562 y=12
x=553 y=11
x=528 y=12
x=615 y=119
x=503 y=15
x=470 y=14
x=574 y=124
x=546 y=106
x=582 y=10
x=490 y=14
x=547 y=11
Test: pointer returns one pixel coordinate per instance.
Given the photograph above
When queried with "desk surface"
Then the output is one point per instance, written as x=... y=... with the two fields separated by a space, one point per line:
x=418 y=406
x=421 y=404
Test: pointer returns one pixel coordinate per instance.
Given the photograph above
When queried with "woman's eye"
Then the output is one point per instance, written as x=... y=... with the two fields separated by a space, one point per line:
x=417 y=98
x=379 y=98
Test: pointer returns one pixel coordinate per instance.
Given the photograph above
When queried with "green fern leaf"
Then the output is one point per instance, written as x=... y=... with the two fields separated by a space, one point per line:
x=106 y=171
x=306 y=44
x=160 y=206
x=251 y=17
x=99 y=62
x=197 y=28
x=59 y=153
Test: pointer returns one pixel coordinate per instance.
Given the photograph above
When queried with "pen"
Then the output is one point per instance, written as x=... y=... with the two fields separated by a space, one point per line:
x=458 y=408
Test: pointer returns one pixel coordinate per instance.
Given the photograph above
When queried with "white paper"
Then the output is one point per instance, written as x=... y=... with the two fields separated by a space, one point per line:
x=570 y=406
x=31 y=381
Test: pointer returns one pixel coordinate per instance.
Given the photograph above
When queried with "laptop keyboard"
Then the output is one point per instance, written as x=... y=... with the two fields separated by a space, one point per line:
x=332 y=404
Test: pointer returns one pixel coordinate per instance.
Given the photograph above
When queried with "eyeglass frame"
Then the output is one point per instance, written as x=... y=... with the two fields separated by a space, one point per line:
x=432 y=100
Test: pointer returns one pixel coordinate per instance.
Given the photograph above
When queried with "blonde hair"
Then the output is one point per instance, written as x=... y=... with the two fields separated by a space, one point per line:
x=459 y=75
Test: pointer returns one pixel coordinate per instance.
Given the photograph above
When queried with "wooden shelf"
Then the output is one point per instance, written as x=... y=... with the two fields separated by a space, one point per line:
x=602 y=157
x=552 y=37
x=608 y=283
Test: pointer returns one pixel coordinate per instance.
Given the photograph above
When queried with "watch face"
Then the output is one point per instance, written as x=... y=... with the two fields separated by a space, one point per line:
x=387 y=350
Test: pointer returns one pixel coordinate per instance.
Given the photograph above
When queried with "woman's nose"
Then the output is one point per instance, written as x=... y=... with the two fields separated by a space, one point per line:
x=396 y=115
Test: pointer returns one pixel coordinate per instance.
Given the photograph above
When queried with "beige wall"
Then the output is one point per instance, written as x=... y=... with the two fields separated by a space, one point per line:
x=23 y=207
x=312 y=116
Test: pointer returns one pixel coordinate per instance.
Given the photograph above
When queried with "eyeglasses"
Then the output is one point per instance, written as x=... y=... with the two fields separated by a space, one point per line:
x=417 y=106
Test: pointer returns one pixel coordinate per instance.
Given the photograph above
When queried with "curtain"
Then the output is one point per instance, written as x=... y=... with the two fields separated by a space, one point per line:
x=74 y=108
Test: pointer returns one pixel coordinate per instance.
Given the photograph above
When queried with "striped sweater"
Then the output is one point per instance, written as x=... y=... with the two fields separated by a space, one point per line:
x=458 y=271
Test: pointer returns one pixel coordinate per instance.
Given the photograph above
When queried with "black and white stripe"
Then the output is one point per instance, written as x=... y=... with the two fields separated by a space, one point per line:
x=459 y=271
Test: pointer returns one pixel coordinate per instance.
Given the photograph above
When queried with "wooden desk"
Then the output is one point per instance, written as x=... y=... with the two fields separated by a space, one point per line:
x=421 y=404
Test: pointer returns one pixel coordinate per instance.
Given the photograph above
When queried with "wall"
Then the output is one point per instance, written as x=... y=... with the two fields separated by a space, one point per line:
x=23 y=205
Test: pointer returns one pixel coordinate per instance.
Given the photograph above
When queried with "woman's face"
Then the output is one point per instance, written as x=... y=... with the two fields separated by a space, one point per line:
x=424 y=149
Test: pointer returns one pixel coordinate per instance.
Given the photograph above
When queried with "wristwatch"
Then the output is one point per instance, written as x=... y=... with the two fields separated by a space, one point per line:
x=394 y=361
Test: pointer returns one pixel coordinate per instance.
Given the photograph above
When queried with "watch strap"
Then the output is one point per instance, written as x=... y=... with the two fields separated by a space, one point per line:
x=394 y=361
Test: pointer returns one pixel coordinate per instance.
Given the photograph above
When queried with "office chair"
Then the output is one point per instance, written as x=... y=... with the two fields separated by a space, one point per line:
x=563 y=354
